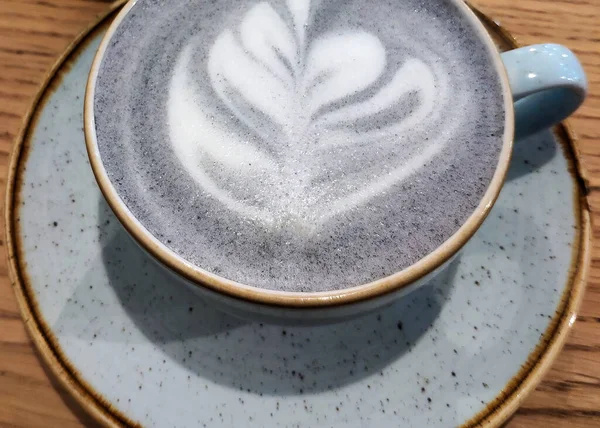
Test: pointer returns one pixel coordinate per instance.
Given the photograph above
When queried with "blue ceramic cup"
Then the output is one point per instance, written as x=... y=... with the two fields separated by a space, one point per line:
x=548 y=84
x=541 y=85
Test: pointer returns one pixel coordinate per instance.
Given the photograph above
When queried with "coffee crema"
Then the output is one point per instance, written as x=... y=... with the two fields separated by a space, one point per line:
x=299 y=145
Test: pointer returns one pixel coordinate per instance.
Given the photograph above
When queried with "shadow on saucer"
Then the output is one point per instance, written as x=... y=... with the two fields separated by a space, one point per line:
x=264 y=359
x=531 y=153
x=259 y=358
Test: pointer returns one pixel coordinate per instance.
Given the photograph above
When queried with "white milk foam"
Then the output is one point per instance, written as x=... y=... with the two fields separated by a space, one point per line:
x=267 y=67
x=301 y=145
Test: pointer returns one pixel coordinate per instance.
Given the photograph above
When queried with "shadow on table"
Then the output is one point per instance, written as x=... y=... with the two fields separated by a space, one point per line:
x=76 y=409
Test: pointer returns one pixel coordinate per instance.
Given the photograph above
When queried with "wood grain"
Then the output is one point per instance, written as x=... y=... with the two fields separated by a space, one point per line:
x=34 y=32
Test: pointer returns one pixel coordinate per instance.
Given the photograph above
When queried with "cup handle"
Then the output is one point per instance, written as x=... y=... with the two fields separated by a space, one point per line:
x=548 y=84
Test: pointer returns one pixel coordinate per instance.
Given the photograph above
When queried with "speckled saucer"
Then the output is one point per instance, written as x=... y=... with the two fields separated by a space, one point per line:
x=135 y=348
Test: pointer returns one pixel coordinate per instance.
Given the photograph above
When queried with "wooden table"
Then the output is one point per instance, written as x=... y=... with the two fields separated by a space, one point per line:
x=34 y=32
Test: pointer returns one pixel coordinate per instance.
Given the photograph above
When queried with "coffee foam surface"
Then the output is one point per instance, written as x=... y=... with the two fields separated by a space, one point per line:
x=295 y=144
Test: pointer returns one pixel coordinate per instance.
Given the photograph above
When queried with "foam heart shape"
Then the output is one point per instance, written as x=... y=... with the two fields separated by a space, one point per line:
x=314 y=128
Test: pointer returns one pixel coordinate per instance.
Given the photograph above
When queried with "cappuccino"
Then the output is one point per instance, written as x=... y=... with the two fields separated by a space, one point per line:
x=299 y=145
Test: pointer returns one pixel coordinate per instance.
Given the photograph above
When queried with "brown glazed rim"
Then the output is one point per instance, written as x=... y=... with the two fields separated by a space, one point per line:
x=389 y=284
x=495 y=412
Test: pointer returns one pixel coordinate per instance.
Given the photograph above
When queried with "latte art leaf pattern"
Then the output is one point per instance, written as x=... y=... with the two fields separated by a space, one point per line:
x=303 y=117
x=300 y=145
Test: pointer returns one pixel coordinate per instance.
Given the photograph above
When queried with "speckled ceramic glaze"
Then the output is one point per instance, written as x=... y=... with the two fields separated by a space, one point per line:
x=135 y=347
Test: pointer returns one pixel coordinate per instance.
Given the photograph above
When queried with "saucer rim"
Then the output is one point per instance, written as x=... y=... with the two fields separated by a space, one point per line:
x=495 y=413
x=46 y=344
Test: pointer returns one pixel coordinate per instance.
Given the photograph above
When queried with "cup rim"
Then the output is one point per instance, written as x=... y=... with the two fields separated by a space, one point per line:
x=302 y=300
